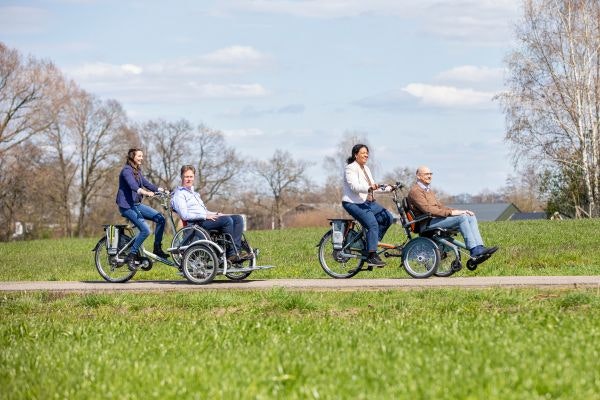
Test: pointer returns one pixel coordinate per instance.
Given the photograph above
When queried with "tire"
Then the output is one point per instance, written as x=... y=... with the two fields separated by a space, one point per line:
x=238 y=276
x=199 y=264
x=420 y=257
x=107 y=265
x=333 y=264
x=447 y=261
x=180 y=238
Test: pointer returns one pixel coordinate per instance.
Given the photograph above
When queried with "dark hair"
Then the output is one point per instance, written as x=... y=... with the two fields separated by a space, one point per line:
x=130 y=156
x=355 y=149
x=188 y=167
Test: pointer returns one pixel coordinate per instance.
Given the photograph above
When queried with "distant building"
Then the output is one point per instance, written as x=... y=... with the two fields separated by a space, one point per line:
x=522 y=216
x=489 y=211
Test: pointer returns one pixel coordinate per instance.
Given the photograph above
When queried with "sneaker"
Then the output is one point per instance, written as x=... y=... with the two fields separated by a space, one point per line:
x=158 y=251
x=246 y=256
x=375 y=260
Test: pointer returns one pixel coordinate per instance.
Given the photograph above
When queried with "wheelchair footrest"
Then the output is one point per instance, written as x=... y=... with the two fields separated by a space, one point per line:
x=248 y=269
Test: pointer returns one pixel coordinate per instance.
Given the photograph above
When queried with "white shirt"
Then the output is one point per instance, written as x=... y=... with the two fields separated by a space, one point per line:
x=188 y=204
x=356 y=185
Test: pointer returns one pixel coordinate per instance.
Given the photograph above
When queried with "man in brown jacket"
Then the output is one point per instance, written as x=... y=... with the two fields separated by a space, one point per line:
x=422 y=200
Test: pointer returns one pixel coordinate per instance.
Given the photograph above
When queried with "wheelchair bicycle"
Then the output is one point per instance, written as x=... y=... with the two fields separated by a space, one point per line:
x=342 y=250
x=196 y=254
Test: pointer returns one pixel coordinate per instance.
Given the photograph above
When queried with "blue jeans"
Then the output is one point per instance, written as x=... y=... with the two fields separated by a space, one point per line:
x=373 y=217
x=137 y=215
x=466 y=224
x=231 y=224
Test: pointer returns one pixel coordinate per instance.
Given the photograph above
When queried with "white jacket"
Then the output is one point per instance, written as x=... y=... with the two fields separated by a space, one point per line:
x=356 y=186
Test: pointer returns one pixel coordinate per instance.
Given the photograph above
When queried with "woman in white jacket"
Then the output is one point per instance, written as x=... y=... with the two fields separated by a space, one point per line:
x=359 y=202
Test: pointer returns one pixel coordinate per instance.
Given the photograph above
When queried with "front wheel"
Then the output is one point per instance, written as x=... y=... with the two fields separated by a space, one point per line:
x=449 y=263
x=420 y=257
x=112 y=268
x=333 y=263
x=241 y=275
x=199 y=264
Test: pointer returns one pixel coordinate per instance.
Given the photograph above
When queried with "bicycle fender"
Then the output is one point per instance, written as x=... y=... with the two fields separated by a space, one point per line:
x=97 y=244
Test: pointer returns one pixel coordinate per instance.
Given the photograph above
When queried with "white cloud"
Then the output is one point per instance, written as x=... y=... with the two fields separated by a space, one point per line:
x=212 y=90
x=243 y=133
x=471 y=74
x=236 y=55
x=448 y=96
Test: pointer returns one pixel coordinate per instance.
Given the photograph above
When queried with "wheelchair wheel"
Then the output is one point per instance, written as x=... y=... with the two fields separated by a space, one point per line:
x=420 y=257
x=108 y=267
x=199 y=264
x=238 y=276
x=333 y=263
x=448 y=262
x=186 y=236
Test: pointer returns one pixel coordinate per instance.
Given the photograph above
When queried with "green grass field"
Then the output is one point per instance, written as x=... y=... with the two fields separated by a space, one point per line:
x=284 y=344
x=526 y=248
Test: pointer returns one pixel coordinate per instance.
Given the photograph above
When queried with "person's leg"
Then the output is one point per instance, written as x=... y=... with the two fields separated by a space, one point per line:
x=137 y=219
x=159 y=220
x=363 y=214
x=238 y=230
x=462 y=223
x=223 y=224
x=384 y=218
x=472 y=220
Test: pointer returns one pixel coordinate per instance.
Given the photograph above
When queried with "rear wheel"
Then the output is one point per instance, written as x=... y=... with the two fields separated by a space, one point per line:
x=113 y=268
x=334 y=263
x=199 y=264
x=420 y=257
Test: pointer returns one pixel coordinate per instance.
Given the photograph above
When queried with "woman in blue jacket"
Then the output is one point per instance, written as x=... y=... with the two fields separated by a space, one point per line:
x=132 y=187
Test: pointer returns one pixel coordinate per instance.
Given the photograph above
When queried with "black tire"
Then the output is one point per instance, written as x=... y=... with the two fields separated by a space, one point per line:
x=199 y=264
x=185 y=236
x=447 y=262
x=335 y=265
x=238 y=276
x=420 y=257
x=108 y=267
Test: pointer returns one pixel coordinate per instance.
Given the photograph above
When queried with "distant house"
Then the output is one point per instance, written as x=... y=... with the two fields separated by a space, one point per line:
x=489 y=211
x=522 y=216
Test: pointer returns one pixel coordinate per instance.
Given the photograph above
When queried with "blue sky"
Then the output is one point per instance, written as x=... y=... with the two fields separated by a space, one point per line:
x=416 y=77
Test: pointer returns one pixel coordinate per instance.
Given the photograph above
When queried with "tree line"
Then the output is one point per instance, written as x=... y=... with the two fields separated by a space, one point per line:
x=61 y=147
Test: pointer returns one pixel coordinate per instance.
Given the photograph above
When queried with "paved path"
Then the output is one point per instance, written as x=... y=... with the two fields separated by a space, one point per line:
x=312 y=284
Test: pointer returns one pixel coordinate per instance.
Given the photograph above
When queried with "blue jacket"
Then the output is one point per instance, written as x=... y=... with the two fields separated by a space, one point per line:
x=127 y=194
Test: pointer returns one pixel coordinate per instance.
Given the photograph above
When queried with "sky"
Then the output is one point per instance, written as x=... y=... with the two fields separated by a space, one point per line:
x=417 y=78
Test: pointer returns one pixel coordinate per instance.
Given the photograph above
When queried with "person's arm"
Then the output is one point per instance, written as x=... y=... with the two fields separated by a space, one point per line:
x=133 y=183
x=149 y=185
x=427 y=204
x=352 y=176
x=180 y=205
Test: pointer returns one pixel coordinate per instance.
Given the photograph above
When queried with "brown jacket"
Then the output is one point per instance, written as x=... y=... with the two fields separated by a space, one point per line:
x=423 y=202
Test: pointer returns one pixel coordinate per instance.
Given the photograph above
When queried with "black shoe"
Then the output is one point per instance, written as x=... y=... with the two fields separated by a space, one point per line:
x=490 y=250
x=375 y=260
x=159 y=252
x=130 y=260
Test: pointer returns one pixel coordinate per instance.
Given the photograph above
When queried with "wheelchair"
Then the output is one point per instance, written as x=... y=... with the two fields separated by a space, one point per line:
x=201 y=254
x=448 y=246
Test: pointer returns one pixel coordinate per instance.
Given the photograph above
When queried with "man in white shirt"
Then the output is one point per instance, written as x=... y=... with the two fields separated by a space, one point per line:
x=190 y=207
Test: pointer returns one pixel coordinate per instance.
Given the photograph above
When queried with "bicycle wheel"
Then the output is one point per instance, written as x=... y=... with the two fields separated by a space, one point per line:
x=108 y=266
x=241 y=275
x=448 y=261
x=333 y=263
x=186 y=236
x=420 y=257
x=199 y=264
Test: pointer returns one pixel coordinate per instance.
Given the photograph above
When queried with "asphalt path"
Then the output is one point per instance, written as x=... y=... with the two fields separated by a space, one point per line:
x=310 y=284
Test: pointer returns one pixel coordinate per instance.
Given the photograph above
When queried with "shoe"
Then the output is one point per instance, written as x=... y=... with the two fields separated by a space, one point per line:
x=477 y=251
x=375 y=260
x=130 y=260
x=158 y=251
x=234 y=259
x=490 y=250
x=246 y=256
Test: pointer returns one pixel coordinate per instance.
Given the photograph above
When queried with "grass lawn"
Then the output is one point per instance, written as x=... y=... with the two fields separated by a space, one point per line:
x=278 y=344
x=526 y=248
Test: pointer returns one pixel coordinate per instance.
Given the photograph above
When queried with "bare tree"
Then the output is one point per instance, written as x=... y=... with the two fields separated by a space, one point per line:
x=284 y=176
x=219 y=166
x=28 y=97
x=553 y=101
x=98 y=129
x=168 y=145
